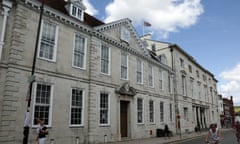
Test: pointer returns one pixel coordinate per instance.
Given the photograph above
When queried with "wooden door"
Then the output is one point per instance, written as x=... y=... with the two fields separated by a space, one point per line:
x=124 y=118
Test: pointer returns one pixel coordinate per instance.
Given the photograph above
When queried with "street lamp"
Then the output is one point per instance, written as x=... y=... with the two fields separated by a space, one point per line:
x=32 y=79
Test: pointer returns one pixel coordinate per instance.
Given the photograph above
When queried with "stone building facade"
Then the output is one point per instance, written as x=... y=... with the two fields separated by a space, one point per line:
x=196 y=96
x=93 y=82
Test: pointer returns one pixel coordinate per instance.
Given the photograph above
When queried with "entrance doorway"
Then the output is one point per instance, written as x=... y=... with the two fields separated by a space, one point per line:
x=124 y=118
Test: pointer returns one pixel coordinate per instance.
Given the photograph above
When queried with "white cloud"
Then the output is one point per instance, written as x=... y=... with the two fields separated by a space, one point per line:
x=232 y=74
x=231 y=86
x=90 y=8
x=165 y=16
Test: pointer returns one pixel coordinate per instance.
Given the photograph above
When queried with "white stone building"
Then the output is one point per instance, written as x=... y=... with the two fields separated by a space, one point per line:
x=196 y=96
x=94 y=82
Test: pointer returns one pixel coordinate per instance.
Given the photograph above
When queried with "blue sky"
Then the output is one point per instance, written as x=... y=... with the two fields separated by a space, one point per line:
x=208 y=30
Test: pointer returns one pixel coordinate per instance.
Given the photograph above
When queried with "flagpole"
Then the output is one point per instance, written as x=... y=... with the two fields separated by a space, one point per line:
x=32 y=79
x=143 y=29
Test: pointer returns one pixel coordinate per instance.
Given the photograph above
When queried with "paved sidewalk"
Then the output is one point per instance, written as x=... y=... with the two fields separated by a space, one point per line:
x=164 y=140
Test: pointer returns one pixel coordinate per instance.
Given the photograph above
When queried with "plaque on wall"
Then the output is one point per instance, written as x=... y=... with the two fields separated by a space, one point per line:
x=125 y=34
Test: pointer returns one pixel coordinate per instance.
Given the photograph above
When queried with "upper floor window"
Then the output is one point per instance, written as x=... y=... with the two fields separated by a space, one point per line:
x=42 y=103
x=183 y=85
x=204 y=77
x=205 y=93
x=79 y=53
x=76 y=12
x=197 y=73
x=124 y=66
x=192 y=87
x=48 y=41
x=199 y=90
x=181 y=63
x=170 y=83
x=150 y=75
x=139 y=71
x=105 y=59
x=160 y=79
x=190 y=68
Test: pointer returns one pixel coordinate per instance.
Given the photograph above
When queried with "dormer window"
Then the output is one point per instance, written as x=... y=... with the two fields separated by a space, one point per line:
x=75 y=9
x=76 y=12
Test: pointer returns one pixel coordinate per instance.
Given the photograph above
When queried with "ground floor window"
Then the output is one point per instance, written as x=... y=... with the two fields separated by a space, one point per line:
x=42 y=103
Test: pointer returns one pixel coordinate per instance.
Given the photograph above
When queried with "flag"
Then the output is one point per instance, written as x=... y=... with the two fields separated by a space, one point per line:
x=147 y=24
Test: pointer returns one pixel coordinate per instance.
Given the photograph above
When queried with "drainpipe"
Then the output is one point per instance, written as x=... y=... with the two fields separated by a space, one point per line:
x=6 y=6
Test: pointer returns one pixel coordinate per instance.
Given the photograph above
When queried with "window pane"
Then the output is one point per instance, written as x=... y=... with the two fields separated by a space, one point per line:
x=105 y=59
x=139 y=110
x=79 y=51
x=150 y=75
x=47 y=43
x=151 y=111
x=161 y=111
x=79 y=14
x=124 y=68
x=104 y=108
x=160 y=79
x=139 y=71
x=76 y=107
x=42 y=103
x=74 y=10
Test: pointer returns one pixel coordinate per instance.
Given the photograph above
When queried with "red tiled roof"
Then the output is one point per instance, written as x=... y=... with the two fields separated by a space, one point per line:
x=60 y=6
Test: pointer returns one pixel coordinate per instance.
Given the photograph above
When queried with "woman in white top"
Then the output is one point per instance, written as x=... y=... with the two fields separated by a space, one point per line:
x=42 y=132
x=214 y=134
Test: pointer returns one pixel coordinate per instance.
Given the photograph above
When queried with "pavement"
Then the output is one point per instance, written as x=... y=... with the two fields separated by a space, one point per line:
x=164 y=140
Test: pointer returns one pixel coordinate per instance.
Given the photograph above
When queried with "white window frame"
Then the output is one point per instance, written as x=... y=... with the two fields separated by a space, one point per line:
x=171 y=112
x=108 y=61
x=77 y=14
x=184 y=85
x=185 y=112
x=141 y=111
x=150 y=76
x=151 y=111
x=55 y=42
x=161 y=106
x=161 y=87
x=84 y=53
x=50 y=103
x=83 y=108
x=108 y=108
x=170 y=82
x=124 y=66
x=139 y=63
x=192 y=87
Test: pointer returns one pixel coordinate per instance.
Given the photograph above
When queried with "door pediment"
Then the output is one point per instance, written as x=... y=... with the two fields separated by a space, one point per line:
x=126 y=89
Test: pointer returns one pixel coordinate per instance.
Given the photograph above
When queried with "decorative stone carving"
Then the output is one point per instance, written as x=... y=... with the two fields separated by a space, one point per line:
x=126 y=89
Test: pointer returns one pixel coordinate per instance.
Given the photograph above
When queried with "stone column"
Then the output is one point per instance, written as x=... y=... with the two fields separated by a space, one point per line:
x=6 y=6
